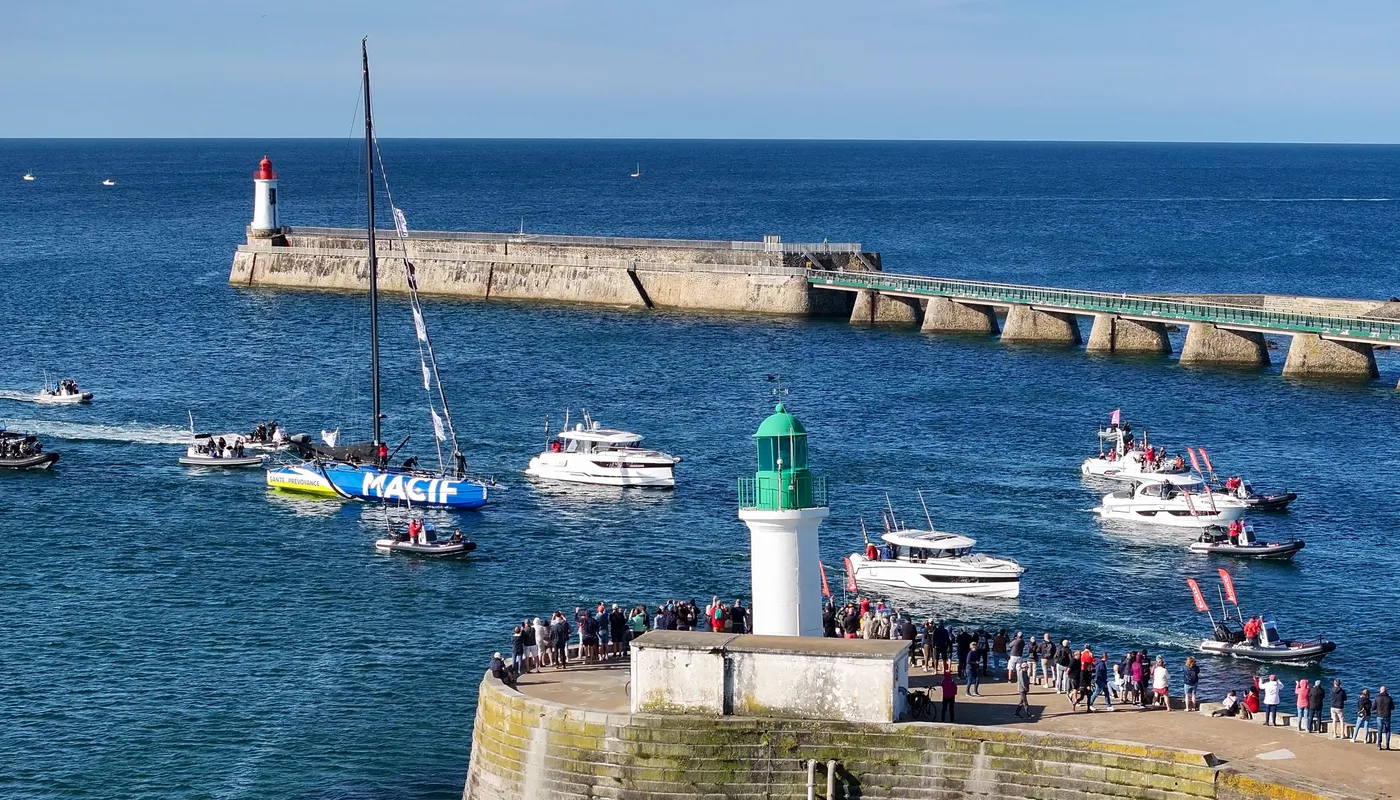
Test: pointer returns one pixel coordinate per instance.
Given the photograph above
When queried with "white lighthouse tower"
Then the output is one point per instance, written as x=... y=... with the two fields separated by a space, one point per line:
x=264 y=202
x=783 y=505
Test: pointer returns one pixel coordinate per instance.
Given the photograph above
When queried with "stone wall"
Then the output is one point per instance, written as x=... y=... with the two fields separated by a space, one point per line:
x=529 y=749
x=650 y=276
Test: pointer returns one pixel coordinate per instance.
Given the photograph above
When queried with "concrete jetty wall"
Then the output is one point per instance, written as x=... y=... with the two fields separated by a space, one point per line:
x=524 y=748
x=756 y=277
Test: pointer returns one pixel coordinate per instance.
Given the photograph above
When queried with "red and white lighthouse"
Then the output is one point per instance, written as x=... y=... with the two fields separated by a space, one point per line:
x=265 y=199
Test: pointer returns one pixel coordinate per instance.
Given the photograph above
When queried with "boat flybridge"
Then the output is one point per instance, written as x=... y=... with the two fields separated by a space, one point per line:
x=1182 y=505
x=933 y=561
x=1121 y=457
x=589 y=453
x=65 y=392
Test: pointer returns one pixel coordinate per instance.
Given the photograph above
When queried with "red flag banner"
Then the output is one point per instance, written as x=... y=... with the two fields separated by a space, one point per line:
x=1196 y=465
x=1206 y=459
x=826 y=589
x=1196 y=594
x=850 y=577
x=1229 y=586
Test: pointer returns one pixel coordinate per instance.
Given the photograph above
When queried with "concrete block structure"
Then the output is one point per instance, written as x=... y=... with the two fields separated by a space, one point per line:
x=719 y=674
x=1114 y=334
x=1311 y=356
x=942 y=315
x=874 y=308
x=1208 y=345
x=1028 y=325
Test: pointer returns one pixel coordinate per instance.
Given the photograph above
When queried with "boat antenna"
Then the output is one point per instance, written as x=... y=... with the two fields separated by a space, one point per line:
x=373 y=260
x=927 y=516
x=891 y=524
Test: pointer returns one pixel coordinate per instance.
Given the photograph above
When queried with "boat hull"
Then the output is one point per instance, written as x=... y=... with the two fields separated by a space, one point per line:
x=952 y=578
x=376 y=484
x=1270 y=502
x=1291 y=652
x=63 y=399
x=432 y=550
x=225 y=463
x=1129 y=470
x=1273 y=551
x=574 y=468
x=38 y=461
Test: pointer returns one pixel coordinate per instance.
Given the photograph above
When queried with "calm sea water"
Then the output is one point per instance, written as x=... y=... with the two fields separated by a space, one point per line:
x=172 y=633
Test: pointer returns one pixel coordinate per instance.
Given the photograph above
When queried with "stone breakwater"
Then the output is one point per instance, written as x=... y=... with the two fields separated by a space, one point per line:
x=767 y=277
x=525 y=747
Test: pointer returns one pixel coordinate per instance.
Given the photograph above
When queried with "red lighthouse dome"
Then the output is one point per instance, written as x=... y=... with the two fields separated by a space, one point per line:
x=265 y=172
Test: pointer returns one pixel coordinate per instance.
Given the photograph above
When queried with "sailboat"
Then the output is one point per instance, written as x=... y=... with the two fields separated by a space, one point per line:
x=637 y=173
x=362 y=471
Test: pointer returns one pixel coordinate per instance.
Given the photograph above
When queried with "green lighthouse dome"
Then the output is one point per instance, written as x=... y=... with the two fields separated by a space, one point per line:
x=780 y=423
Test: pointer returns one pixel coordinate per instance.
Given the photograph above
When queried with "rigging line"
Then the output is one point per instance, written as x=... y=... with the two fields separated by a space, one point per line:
x=418 y=307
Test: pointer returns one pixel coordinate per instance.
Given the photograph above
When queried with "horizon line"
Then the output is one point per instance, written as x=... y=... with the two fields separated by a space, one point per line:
x=899 y=140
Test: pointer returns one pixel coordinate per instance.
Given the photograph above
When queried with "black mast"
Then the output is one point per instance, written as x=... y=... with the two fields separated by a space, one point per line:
x=373 y=260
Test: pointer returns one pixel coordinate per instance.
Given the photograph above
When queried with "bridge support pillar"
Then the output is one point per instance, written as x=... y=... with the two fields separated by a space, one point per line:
x=1311 y=356
x=1026 y=324
x=942 y=315
x=1211 y=346
x=873 y=308
x=1113 y=334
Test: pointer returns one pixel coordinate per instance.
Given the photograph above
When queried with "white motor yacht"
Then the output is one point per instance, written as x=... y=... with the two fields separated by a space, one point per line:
x=606 y=456
x=1181 y=505
x=65 y=392
x=933 y=561
x=1127 y=459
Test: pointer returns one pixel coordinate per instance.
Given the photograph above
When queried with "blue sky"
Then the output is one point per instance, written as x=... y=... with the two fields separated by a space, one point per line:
x=1247 y=70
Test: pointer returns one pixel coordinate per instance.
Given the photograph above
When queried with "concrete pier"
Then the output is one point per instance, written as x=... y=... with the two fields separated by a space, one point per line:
x=1207 y=345
x=1114 y=334
x=767 y=277
x=874 y=308
x=1311 y=356
x=1025 y=324
x=942 y=315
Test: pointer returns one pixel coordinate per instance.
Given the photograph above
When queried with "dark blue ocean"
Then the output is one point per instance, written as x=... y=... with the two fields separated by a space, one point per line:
x=171 y=633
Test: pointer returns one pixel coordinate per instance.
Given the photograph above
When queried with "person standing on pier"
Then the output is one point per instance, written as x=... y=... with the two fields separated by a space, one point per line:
x=950 y=692
x=1023 y=685
x=1015 y=657
x=974 y=680
x=1339 y=705
x=1192 y=677
x=1273 y=691
x=1301 y=689
x=1316 y=696
x=1363 y=716
x=1385 y=706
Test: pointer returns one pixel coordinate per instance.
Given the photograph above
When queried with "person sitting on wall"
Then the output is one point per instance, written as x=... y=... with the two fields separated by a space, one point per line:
x=501 y=671
x=1229 y=707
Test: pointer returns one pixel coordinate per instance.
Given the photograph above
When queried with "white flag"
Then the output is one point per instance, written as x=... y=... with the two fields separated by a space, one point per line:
x=400 y=224
x=418 y=325
x=330 y=437
x=437 y=426
x=427 y=376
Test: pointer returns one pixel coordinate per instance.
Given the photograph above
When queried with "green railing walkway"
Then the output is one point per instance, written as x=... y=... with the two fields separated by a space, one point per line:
x=1143 y=307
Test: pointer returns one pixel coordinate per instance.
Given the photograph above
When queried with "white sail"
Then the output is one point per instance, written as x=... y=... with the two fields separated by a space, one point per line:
x=437 y=426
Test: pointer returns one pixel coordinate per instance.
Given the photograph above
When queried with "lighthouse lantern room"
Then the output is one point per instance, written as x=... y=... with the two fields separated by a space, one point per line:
x=783 y=505
x=265 y=200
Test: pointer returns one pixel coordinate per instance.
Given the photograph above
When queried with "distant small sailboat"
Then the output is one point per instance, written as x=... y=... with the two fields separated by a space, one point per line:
x=109 y=182
x=637 y=173
x=29 y=176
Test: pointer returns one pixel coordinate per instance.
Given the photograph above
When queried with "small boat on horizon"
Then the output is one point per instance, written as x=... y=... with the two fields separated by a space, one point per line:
x=65 y=392
x=589 y=453
x=28 y=176
x=109 y=182
x=637 y=173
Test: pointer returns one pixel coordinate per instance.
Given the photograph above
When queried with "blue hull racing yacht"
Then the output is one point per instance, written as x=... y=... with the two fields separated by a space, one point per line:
x=363 y=471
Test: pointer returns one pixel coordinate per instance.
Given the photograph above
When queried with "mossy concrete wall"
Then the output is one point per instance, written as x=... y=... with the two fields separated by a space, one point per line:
x=528 y=749
x=652 y=276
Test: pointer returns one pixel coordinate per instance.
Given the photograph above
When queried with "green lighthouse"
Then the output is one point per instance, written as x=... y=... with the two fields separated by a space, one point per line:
x=783 y=480
x=783 y=505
